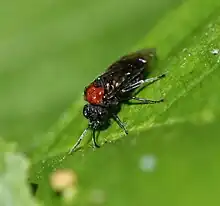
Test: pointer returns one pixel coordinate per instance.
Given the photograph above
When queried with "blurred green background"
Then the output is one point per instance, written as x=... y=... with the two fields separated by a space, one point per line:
x=50 y=50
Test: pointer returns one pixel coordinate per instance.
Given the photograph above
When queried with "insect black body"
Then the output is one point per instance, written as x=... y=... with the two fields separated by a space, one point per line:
x=115 y=86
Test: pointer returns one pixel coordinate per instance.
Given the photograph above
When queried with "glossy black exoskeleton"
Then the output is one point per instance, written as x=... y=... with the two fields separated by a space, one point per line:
x=115 y=86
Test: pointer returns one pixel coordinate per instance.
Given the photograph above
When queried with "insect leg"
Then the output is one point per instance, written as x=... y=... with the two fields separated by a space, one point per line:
x=94 y=139
x=78 y=141
x=141 y=82
x=120 y=123
x=130 y=80
x=147 y=101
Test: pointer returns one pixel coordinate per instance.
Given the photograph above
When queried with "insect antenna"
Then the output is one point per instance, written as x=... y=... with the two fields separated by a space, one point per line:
x=120 y=123
x=78 y=141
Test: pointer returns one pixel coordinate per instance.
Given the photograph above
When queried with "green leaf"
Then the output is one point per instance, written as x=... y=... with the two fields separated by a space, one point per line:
x=13 y=177
x=170 y=156
x=186 y=54
x=174 y=164
x=51 y=49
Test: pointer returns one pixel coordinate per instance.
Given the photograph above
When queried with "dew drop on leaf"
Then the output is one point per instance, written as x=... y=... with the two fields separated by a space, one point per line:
x=147 y=163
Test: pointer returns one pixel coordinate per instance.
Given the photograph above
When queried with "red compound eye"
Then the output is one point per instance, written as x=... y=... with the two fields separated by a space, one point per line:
x=94 y=95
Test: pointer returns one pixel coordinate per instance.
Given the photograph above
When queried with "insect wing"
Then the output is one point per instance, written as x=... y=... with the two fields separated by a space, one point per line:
x=127 y=69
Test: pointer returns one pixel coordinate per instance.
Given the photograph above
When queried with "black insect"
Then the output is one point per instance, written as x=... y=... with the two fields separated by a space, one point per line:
x=117 y=85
